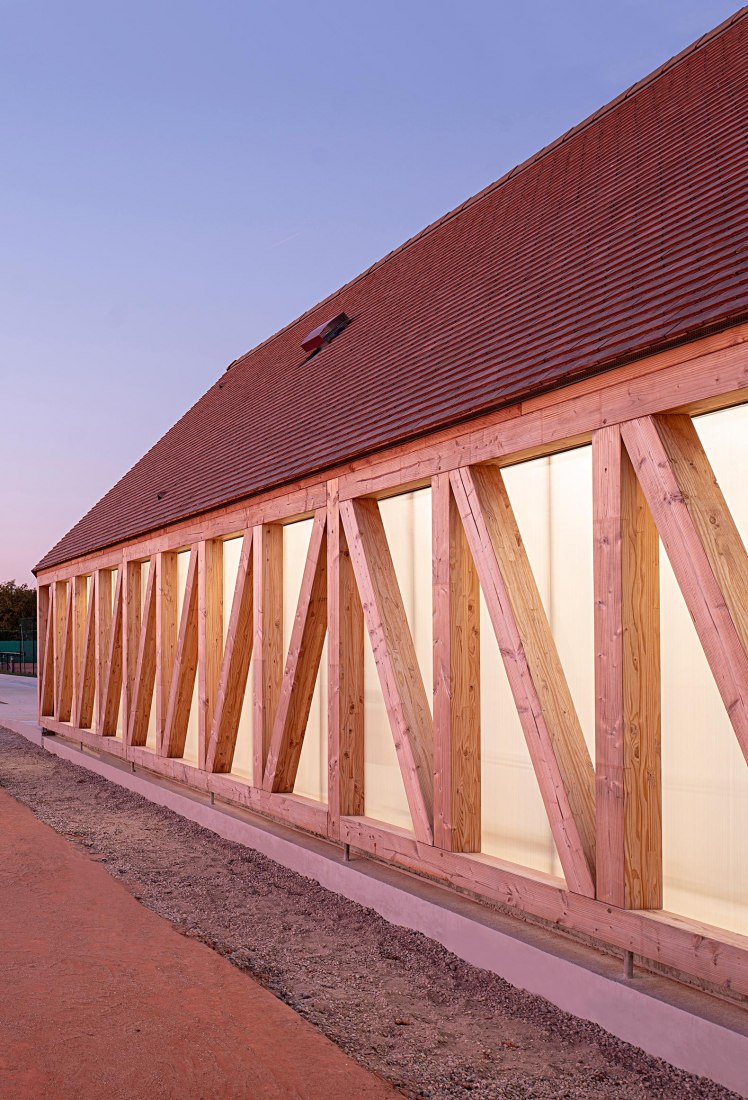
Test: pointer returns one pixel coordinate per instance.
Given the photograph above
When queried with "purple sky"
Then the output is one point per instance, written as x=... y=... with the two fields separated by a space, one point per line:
x=180 y=180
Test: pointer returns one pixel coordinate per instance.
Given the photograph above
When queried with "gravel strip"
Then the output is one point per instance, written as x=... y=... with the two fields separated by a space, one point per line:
x=396 y=1002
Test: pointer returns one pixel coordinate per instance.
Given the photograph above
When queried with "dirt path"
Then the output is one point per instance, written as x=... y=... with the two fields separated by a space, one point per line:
x=396 y=1002
x=101 y=998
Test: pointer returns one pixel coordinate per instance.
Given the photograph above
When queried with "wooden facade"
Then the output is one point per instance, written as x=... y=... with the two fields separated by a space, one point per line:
x=110 y=654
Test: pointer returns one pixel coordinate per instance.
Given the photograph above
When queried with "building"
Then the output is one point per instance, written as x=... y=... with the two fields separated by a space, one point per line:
x=398 y=578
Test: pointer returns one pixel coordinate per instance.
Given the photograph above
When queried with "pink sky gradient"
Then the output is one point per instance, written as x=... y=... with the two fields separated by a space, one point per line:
x=179 y=182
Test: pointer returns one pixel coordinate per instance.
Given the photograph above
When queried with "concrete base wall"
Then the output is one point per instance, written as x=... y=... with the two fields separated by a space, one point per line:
x=689 y=1029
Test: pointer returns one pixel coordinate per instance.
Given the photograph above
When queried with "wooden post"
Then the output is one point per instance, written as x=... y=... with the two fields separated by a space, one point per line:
x=395 y=657
x=103 y=637
x=268 y=644
x=627 y=682
x=554 y=737
x=79 y=616
x=235 y=667
x=166 y=636
x=456 y=611
x=209 y=637
x=302 y=666
x=345 y=663
x=45 y=650
x=131 y=616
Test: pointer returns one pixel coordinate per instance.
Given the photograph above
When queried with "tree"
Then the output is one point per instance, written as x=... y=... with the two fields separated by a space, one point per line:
x=17 y=601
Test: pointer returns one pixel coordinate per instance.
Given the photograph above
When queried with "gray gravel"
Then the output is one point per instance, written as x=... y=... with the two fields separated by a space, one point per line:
x=396 y=1002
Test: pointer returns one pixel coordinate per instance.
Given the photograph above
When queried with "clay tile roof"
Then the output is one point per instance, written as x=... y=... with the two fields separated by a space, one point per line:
x=625 y=234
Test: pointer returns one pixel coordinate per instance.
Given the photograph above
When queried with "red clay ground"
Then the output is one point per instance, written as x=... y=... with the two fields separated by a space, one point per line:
x=102 y=998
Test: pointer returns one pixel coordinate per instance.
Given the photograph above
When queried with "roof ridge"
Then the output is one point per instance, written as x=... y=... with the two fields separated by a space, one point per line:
x=517 y=170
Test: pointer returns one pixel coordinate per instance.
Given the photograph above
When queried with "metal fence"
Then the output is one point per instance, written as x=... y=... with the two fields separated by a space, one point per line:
x=18 y=654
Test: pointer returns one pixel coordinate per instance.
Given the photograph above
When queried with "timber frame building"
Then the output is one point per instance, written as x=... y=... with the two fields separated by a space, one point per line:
x=450 y=570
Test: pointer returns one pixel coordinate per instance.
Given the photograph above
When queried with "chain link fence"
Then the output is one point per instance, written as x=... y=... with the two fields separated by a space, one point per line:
x=18 y=651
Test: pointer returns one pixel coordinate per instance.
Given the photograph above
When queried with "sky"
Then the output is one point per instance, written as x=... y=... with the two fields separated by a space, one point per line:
x=179 y=181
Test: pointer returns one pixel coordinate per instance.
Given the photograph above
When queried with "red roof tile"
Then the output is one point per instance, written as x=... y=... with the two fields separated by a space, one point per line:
x=626 y=233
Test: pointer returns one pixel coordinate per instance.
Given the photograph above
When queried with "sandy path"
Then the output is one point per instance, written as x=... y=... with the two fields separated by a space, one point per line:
x=102 y=998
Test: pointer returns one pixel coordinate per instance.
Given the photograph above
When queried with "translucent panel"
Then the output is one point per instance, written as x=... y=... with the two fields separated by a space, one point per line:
x=118 y=734
x=191 y=743
x=705 y=777
x=551 y=499
x=311 y=778
x=91 y=610
x=242 y=765
x=407 y=524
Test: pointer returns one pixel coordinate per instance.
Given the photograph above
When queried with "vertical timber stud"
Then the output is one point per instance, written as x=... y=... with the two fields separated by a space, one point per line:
x=345 y=658
x=456 y=611
x=64 y=615
x=103 y=598
x=59 y=613
x=45 y=651
x=209 y=637
x=268 y=644
x=237 y=654
x=79 y=615
x=145 y=669
x=130 y=635
x=627 y=682
x=395 y=657
x=86 y=685
x=704 y=546
x=166 y=636
x=558 y=751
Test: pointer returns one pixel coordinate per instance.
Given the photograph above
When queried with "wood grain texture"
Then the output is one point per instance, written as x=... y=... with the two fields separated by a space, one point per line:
x=541 y=694
x=456 y=612
x=395 y=657
x=235 y=667
x=209 y=637
x=185 y=668
x=704 y=547
x=103 y=609
x=302 y=666
x=45 y=634
x=345 y=675
x=627 y=682
x=86 y=686
x=268 y=641
x=111 y=693
x=167 y=627
x=79 y=588
x=64 y=642
x=131 y=619
x=145 y=667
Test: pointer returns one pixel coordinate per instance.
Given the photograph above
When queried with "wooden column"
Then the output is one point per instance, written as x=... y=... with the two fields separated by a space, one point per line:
x=456 y=611
x=167 y=614
x=705 y=549
x=131 y=601
x=554 y=737
x=209 y=637
x=63 y=650
x=235 y=667
x=395 y=657
x=302 y=666
x=103 y=608
x=345 y=685
x=627 y=682
x=268 y=644
x=145 y=668
x=78 y=637
x=45 y=650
